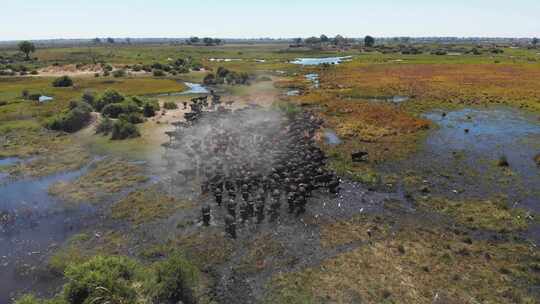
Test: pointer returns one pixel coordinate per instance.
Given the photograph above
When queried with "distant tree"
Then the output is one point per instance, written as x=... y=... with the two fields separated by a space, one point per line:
x=218 y=41
x=297 y=41
x=324 y=38
x=535 y=41
x=312 y=40
x=208 y=41
x=27 y=47
x=339 y=40
x=62 y=82
x=194 y=40
x=110 y=40
x=96 y=41
x=369 y=41
x=128 y=40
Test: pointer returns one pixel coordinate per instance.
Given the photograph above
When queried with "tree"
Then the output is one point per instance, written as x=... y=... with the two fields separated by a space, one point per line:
x=110 y=40
x=312 y=40
x=339 y=40
x=63 y=82
x=27 y=47
x=96 y=41
x=369 y=41
x=324 y=38
x=535 y=41
x=194 y=40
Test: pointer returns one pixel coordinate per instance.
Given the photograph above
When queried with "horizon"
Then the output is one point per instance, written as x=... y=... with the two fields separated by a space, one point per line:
x=241 y=19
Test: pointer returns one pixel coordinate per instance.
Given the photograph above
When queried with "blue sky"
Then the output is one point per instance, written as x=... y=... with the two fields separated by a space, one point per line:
x=40 y=19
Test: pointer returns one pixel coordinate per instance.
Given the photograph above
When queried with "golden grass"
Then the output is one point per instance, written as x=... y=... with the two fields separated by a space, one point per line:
x=147 y=205
x=417 y=265
x=105 y=178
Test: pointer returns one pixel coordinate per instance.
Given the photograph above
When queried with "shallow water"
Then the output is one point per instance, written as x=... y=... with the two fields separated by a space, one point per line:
x=193 y=89
x=293 y=93
x=45 y=98
x=463 y=165
x=37 y=223
x=314 y=78
x=9 y=161
x=393 y=99
x=331 y=137
x=319 y=61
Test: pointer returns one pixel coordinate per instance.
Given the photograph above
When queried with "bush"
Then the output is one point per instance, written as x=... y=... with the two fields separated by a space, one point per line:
x=72 y=121
x=101 y=280
x=105 y=126
x=113 y=110
x=174 y=281
x=169 y=105
x=110 y=96
x=158 y=73
x=62 y=82
x=119 y=73
x=209 y=79
x=28 y=299
x=89 y=97
x=150 y=108
x=134 y=118
x=123 y=129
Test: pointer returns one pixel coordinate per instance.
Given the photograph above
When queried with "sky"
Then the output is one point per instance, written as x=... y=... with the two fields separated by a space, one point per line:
x=49 y=19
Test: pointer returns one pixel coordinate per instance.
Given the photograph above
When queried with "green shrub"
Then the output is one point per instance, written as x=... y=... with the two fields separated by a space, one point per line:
x=174 y=281
x=123 y=130
x=73 y=120
x=150 y=108
x=110 y=96
x=134 y=118
x=62 y=82
x=89 y=98
x=119 y=73
x=28 y=299
x=170 y=105
x=101 y=280
x=105 y=126
x=113 y=110
x=158 y=73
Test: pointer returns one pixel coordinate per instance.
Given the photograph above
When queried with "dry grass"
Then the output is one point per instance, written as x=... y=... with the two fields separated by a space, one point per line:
x=147 y=205
x=487 y=214
x=107 y=177
x=417 y=265
x=354 y=230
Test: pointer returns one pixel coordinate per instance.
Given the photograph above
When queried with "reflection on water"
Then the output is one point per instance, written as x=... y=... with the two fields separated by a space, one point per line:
x=319 y=61
x=314 y=78
x=193 y=89
x=331 y=137
x=31 y=223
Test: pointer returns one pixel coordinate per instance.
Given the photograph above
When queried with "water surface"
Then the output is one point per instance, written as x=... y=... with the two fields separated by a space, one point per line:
x=33 y=223
x=319 y=61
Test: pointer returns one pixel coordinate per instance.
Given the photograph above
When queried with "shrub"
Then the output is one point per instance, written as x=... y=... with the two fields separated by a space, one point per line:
x=3 y=103
x=174 y=281
x=34 y=72
x=110 y=96
x=209 y=79
x=123 y=129
x=106 y=74
x=101 y=280
x=150 y=108
x=158 y=73
x=134 y=118
x=113 y=110
x=169 y=105
x=105 y=126
x=89 y=97
x=119 y=73
x=62 y=82
x=28 y=299
x=72 y=121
